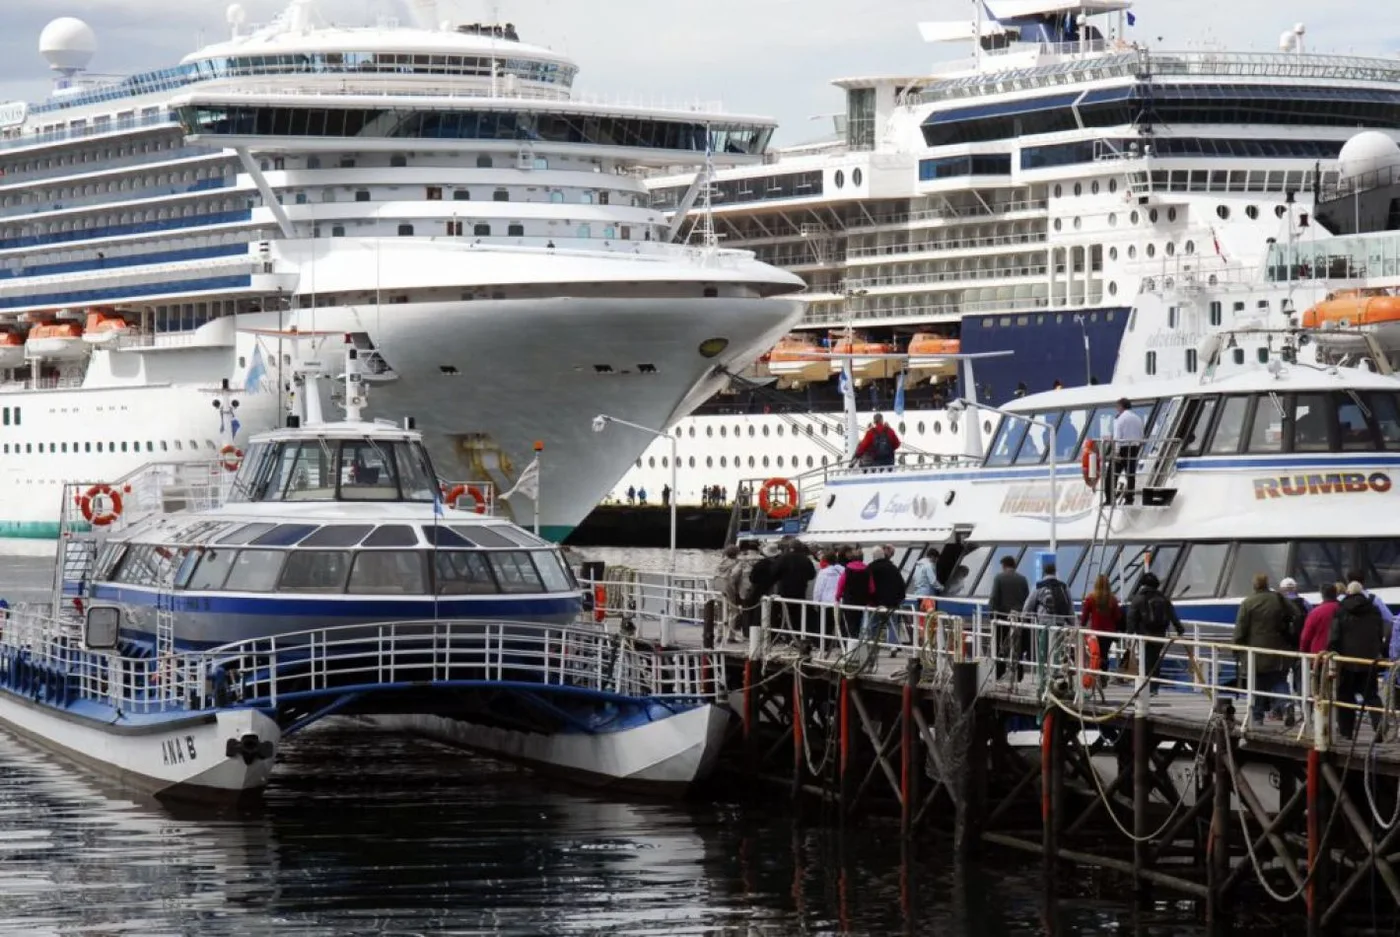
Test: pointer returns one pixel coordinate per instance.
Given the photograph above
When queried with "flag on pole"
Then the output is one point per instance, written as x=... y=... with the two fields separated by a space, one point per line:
x=437 y=503
x=843 y=383
x=256 y=372
x=233 y=427
x=1132 y=18
x=528 y=484
x=899 y=394
x=1219 y=252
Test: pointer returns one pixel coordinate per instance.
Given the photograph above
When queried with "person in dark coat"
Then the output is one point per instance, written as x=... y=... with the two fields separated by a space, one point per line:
x=762 y=577
x=888 y=583
x=1265 y=622
x=1010 y=590
x=794 y=572
x=1150 y=614
x=1358 y=631
x=855 y=591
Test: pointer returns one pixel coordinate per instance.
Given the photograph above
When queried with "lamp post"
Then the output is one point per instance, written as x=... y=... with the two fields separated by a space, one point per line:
x=1050 y=445
x=600 y=423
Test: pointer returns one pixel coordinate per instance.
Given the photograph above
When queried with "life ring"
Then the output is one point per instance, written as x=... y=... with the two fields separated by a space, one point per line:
x=231 y=456
x=778 y=508
x=600 y=602
x=94 y=511
x=1091 y=464
x=1093 y=653
x=458 y=490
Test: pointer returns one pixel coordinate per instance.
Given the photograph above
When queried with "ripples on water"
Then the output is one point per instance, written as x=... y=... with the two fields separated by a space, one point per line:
x=362 y=833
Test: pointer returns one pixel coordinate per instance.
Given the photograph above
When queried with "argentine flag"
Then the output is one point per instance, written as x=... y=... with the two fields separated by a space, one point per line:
x=256 y=372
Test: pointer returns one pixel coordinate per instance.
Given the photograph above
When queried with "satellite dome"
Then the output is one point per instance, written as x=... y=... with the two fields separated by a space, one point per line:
x=236 y=14
x=67 y=44
x=1368 y=151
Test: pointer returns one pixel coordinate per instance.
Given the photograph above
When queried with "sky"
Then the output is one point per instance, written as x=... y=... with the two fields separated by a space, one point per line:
x=774 y=58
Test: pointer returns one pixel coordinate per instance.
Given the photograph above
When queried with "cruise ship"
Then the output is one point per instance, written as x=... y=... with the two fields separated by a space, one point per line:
x=1012 y=204
x=177 y=245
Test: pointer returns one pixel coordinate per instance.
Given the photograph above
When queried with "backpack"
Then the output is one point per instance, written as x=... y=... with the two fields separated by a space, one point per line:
x=1052 y=598
x=881 y=449
x=1158 y=613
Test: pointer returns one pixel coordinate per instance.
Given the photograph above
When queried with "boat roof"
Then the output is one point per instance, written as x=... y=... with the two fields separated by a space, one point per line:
x=380 y=430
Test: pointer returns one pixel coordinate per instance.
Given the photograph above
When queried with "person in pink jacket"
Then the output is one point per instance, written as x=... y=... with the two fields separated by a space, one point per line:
x=1319 y=622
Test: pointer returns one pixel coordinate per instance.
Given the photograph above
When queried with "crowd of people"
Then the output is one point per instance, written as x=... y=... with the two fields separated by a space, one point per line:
x=844 y=591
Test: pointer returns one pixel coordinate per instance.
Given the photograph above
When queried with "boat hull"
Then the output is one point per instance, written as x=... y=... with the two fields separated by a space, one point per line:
x=178 y=758
x=667 y=755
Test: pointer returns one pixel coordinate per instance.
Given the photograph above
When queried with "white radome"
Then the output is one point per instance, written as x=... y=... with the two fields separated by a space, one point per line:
x=1368 y=151
x=236 y=15
x=68 y=44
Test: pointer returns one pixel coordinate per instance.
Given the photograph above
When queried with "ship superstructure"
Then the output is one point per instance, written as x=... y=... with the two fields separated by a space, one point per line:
x=436 y=191
x=1017 y=201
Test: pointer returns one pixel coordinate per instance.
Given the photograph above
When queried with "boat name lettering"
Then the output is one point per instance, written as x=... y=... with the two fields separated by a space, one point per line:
x=1035 y=499
x=13 y=113
x=1172 y=340
x=177 y=751
x=897 y=505
x=1332 y=483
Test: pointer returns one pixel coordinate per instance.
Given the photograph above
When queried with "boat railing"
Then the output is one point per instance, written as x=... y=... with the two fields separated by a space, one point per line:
x=840 y=313
x=1021 y=272
x=949 y=213
x=948 y=245
x=1064 y=666
x=468 y=497
x=659 y=606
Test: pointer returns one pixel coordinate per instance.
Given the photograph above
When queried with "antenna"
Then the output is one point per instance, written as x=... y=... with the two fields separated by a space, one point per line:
x=355 y=393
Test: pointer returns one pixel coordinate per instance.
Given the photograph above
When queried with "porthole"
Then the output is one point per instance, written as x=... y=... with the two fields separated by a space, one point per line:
x=652 y=462
x=1058 y=224
x=724 y=461
x=809 y=461
x=1171 y=214
x=1152 y=216
x=692 y=432
x=1223 y=211
x=1094 y=187
x=921 y=427
x=1113 y=219
x=1113 y=253
x=691 y=461
x=1190 y=247
x=1132 y=251
x=1133 y=218
x=840 y=178
x=1251 y=212
x=779 y=462
x=1058 y=190
x=710 y=431
x=856 y=177
x=1078 y=223
x=1113 y=185
x=709 y=461
x=1078 y=188
x=751 y=462
x=953 y=427
x=1170 y=248
x=902 y=429
x=937 y=427
x=1280 y=211
x=765 y=431
x=1151 y=250
x=1112 y=288
x=780 y=429
x=751 y=432
x=723 y=432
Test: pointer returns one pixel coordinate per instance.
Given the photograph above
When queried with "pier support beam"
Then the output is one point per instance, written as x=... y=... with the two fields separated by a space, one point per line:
x=910 y=745
x=1052 y=794
x=1142 y=792
x=1218 y=842
x=970 y=765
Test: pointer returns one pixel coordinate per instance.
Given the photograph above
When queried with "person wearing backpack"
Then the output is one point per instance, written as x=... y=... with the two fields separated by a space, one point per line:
x=1357 y=631
x=1265 y=623
x=1150 y=614
x=878 y=444
x=1052 y=607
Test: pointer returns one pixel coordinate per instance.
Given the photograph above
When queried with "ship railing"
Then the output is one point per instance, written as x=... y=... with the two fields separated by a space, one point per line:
x=66 y=382
x=1055 y=660
x=668 y=608
x=926 y=311
x=951 y=244
x=392 y=655
x=1019 y=272
x=1361 y=182
x=91 y=130
x=950 y=213
x=120 y=276
x=467 y=497
x=391 y=85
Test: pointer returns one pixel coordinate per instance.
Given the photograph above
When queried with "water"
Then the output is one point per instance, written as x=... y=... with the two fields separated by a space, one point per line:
x=363 y=833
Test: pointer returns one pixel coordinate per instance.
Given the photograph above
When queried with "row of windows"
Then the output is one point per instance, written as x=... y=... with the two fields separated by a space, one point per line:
x=1089 y=151
x=361 y=572
x=415 y=124
x=1316 y=421
x=794 y=462
x=221 y=533
x=949 y=167
x=1189 y=571
x=122 y=155
x=756 y=189
x=60 y=448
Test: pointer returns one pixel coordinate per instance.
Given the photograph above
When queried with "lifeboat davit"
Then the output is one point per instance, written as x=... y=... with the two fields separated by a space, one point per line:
x=55 y=340
x=11 y=350
x=104 y=326
x=928 y=356
x=798 y=358
x=868 y=359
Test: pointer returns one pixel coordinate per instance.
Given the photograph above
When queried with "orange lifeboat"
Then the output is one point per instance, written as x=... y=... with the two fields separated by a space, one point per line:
x=1353 y=310
x=868 y=359
x=798 y=358
x=11 y=350
x=928 y=356
x=103 y=326
x=55 y=340
x=926 y=343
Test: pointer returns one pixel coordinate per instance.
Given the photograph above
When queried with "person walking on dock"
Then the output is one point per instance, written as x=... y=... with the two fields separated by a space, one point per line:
x=1317 y=627
x=889 y=595
x=1102 y=613
x=923 y=582
x=794 y=573
x=1264 y=622
x=727 y=585
x=854 y=589
x=631 y=494
x=1356 y=632
x=665 y=496
x=1052 y=608
x=1150 y=614
x=824 y=591
x=642 y=497
x=1010 y=590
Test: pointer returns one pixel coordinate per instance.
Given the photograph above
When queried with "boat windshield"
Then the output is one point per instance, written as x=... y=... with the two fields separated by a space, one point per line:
x=362 y=469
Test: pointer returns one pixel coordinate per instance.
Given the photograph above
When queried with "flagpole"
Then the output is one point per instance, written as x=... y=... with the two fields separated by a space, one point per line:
x=539 y=451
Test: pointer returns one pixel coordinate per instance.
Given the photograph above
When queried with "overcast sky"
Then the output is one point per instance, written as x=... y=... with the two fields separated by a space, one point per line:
x=769 y=57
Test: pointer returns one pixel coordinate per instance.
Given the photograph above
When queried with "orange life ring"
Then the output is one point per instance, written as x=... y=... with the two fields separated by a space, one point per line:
x=1091 y=464
x=458 y=490
x=231 y=456
x=600 y=602
x=1094 y=654
x=775 y=508
x=93 y=510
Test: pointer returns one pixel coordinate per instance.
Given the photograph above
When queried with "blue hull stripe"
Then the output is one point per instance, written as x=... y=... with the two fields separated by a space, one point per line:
x=359 y=607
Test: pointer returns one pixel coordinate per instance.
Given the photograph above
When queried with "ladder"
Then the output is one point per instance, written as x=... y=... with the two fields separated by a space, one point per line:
x=77 y=555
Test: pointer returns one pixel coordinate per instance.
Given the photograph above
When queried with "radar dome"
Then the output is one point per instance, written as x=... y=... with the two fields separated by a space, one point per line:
x=67 y=44
x=1366 y=152
x=236 y=15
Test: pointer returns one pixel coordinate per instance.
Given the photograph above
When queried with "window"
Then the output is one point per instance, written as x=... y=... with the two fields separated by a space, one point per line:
x=1199 y=575
x=483 y=162
x=461 y=195
x=1151 y=362
x=968 y=571
x=1317 y=562
x=552 y=571
x=481 y=230
x=500 y=195
x=1007 y=442
x=341 y=535
x=1068 y=434
x=1036 y=441
x=984 y=582
x=389 y=572
x=1381 y=563
x=315 y=571
x=1382 y=407
x=515 y=572
x=1252 y=558
x=212 y=570
x=1310 y=432
x=515 y=230
x=1266 y=432
x=1230 y=427
x=1355 y=424
x=433 y=193
x=392 y=535
x=362 y=195
x=462 y=572
x=405 y=230
x=254 y=571
x=1215 y=312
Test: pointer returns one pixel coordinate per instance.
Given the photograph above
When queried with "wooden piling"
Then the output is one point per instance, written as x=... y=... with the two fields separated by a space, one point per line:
x=1142 y=791
x=1218 y=842
x=970 y=764
x=799 y=719
x=908 y=739
x=843 y=779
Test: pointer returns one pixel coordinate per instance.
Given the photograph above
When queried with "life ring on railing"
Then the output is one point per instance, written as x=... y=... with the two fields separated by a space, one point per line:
x=97 y=512
x=1093 y=653
x=1091 y=464
x=231 y=457
x=458 y=490
x=774 y=507
x=600 y=602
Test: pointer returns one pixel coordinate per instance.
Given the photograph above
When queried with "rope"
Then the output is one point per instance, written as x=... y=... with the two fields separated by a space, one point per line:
x=1368 y=778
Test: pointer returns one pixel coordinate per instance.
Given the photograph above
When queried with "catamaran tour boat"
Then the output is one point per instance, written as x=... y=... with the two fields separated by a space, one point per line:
x=183 y=647
x=436 y=190
x=1016 y=199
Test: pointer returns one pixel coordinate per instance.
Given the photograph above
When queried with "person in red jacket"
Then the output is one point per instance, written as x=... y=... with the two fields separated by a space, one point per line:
x=1102 y=612
x=1319 y=622
x=878 y=445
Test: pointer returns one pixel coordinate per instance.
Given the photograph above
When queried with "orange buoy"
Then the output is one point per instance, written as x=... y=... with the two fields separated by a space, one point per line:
x=774 y=506
x=1091 y=464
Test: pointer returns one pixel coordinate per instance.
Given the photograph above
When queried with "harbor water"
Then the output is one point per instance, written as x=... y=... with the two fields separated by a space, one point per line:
x=369 y=834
